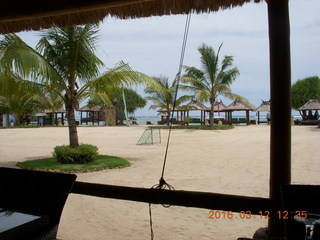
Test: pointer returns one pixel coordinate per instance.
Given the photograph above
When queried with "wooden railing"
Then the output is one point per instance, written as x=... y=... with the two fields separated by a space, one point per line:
x=206 y=200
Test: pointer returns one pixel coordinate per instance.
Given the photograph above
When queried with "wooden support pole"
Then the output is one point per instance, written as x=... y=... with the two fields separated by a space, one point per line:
x=206 y=200
x=280 y=85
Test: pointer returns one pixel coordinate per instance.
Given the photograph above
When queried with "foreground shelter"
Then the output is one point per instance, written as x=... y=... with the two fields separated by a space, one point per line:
x=30 y=15
x=263 y=107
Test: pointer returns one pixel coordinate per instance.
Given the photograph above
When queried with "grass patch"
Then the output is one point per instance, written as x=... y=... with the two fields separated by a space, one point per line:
x=200 y=127
x=21 y=126
x=51 y=164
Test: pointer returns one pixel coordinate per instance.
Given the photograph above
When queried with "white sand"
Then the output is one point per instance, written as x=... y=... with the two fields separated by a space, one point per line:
x=233 y=162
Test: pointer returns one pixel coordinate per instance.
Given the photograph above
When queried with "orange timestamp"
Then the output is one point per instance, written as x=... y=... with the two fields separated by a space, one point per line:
x=284 y=215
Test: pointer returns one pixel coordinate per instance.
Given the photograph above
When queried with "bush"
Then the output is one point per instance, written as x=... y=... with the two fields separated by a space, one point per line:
x=84 y=153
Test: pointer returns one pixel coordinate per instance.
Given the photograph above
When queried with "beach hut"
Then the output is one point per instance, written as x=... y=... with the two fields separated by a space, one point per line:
x=50 y=117
x=238 y=106
x=41 y=116
x=92 y=114
x=32 y=16
x=165 y=115
x=56 y=116
x=194 y=105
x=308 y=117
x=263 y=107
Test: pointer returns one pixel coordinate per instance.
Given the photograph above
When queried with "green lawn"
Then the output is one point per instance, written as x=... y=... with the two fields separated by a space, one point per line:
x=50 y=164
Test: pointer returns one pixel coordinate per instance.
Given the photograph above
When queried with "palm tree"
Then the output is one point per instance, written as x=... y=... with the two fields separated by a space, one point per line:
x=213 y=79
x=50 y=101
x=64 y=62
x=17 y=96
x=164 y=96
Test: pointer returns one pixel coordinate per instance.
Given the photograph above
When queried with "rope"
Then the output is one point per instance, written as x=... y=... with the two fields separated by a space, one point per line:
x=177 y=79
x=162 y=183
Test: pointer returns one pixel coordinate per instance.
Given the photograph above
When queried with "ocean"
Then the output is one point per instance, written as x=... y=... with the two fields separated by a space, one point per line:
x=142 y=120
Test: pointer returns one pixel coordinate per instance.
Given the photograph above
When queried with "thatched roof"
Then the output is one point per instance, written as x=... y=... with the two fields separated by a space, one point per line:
x=219 y=106
x=40 y=114
x=312 y=104
x=238 y=106
x=57 y=111
x=32 y=15
x=264 y=107
x=194 y=105
x=89 y=109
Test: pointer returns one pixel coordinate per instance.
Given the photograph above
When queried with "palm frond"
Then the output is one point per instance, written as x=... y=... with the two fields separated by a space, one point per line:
x=17 y=56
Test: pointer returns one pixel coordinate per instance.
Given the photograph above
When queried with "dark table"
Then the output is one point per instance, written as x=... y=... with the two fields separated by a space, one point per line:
x=17 y=225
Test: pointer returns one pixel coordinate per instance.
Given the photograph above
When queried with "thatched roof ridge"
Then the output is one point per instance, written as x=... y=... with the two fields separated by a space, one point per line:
x=264 y=107
x=219 y=106
x=312 y=104
x=195 y=105
x=56 y=111
x=238 y=106
x=30 y=15
x=40 y=114
x=89 y=109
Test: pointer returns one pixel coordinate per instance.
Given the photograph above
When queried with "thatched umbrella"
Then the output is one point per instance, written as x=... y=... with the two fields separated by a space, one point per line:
x=238 y=106
x=263 y=107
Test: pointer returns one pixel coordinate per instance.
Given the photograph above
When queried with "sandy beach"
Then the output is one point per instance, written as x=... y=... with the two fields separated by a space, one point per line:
x=234 y=162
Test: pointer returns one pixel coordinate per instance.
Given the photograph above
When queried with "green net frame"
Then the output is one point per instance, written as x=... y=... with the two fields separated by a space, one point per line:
x=150 y=136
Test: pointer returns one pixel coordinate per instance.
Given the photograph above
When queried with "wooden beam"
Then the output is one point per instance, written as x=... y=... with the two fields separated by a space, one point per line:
x=280 y=85
x=206 y=200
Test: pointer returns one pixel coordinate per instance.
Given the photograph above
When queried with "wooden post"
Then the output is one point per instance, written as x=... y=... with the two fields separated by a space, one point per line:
x=248 y=117
x=280 y=85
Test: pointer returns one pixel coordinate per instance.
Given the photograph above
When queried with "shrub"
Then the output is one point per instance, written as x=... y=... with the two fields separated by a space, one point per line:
x=84 y=153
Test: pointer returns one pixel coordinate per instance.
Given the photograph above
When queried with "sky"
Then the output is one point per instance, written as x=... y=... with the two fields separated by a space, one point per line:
x=153 y=45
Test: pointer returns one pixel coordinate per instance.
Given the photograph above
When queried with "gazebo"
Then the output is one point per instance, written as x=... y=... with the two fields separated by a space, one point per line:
x=263 y=107
x=310 y=118
x=53 y=117
x=92 y=114
x=32 y=15
x=194 y=105
x=238 y=106
x=219 y=107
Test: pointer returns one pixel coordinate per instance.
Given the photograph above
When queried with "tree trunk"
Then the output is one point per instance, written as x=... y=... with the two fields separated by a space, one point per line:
x=73 y=133
x=169 y=117
x=211 y=118
x=111 y=116
x=17 y=117
x=52 y=118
